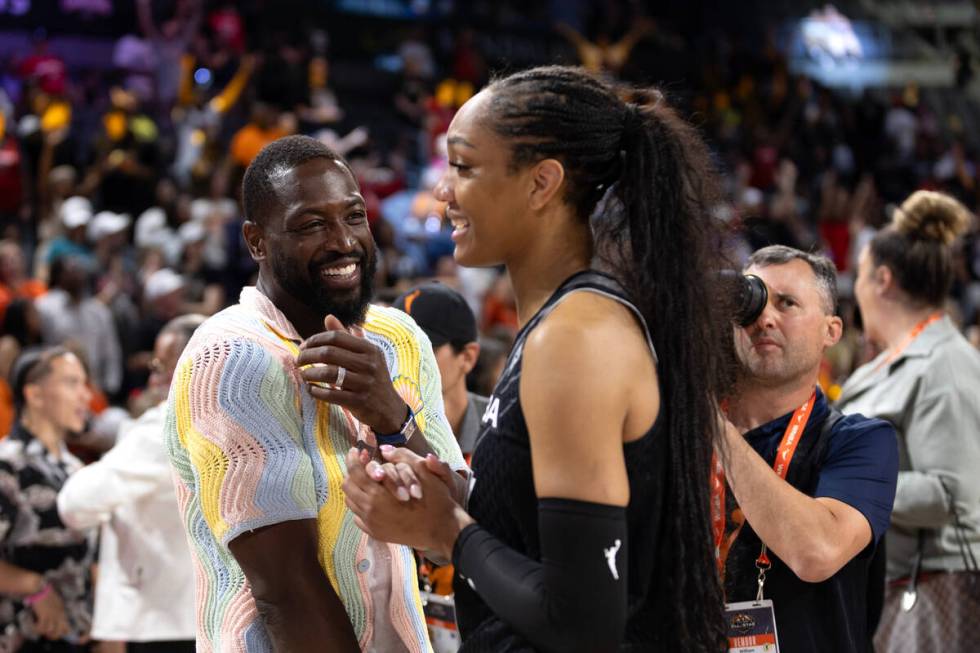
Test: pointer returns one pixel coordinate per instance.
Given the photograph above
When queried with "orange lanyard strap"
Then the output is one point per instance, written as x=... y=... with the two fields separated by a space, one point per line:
x=784 y=455
x=909 y=339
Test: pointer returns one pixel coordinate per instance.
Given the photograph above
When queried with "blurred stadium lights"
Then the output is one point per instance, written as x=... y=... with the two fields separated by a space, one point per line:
x=856 y=54
x=404 y=9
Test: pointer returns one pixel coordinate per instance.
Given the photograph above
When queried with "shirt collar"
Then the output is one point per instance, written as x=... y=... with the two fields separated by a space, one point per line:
x=776 y=427
x=33 y=446
x=253 y=299
x=927 y=340
x=19 y=432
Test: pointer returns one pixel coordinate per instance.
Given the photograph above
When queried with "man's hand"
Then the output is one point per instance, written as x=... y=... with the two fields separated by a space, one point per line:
x=366 y=389
x=52 y=623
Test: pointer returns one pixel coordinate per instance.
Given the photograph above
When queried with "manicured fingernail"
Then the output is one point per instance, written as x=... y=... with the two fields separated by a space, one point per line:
x=416 y=490
x=402 y=494
x=387 y=448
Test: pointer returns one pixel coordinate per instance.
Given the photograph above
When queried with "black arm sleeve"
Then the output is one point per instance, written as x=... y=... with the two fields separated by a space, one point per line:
x=575 y=598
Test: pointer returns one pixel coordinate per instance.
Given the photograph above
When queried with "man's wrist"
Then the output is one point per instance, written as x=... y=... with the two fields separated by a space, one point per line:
x=393 y=425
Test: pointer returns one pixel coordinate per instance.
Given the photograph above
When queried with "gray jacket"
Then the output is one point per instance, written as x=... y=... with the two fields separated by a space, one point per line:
x=931 y=393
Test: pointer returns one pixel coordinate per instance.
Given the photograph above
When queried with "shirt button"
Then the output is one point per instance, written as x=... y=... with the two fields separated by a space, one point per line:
x=363 y=566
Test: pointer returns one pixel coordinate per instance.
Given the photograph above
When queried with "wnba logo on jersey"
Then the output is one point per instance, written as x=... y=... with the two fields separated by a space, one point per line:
x=490 y=414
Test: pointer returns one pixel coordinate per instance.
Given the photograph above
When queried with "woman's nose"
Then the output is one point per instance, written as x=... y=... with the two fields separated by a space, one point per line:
x=443 y=188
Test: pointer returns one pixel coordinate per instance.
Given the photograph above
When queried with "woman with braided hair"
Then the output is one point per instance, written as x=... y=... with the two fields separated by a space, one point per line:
x=587 y=528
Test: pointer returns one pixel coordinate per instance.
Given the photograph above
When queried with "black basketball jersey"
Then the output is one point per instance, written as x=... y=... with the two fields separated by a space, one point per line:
x=503 y=500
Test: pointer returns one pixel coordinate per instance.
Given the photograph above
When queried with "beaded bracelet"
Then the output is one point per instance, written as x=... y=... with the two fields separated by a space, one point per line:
x=39 y=595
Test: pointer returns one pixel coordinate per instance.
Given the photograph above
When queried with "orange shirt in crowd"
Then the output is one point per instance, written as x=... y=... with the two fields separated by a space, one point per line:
x=29 y=289
x=6 y=408
x=249 y=141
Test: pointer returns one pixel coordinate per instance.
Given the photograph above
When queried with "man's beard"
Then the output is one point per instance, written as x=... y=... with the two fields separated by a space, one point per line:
x=350 y=311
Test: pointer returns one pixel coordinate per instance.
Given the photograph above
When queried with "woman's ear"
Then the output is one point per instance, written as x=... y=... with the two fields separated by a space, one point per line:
x=547 y=177
x=31 y=394
x=884 y=279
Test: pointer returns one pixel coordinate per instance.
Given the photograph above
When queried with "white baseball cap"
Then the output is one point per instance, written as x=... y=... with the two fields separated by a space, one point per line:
x=192 y=232
x=107 y=223
x=162 y=282
x=76 y=212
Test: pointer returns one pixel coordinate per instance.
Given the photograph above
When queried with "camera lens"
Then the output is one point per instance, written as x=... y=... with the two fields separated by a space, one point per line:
x=751 y=299
x=748 y=296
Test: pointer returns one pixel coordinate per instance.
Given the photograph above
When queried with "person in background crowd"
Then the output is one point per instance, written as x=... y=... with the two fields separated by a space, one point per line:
x=820 y=508
x=265 y=126
x=170 y=42
x=603 y=56
x=45 y=580
x=76 y=213
x=15 y=282
x=489 y=365
x=597 y=440
x=925 y=381
x=447 y=320
x=69 y=313
x=15 y=189
x=21 y=333
x=266 y=398
x=145 y=594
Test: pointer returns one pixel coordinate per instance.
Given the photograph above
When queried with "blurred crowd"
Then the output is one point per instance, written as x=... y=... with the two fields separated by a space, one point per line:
x=119 y=207
x=119 y=187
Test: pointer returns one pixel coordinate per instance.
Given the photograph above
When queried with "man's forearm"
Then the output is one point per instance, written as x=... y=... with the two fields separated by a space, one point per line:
x=797 y=528
x=17 y=581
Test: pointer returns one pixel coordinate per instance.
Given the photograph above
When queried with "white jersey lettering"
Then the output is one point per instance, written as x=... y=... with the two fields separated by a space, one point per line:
x=490 y=414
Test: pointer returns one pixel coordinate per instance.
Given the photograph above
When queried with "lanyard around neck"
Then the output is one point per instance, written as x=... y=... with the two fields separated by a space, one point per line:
x=909 y=339
x=784 y=455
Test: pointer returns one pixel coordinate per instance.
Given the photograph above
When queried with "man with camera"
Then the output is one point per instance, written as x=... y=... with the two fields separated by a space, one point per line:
x=800 y=494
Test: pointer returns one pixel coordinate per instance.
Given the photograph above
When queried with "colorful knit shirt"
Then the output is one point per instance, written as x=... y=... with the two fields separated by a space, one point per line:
x=251 y=447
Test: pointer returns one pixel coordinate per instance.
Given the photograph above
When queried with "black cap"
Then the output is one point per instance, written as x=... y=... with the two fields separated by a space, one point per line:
x=441 y=312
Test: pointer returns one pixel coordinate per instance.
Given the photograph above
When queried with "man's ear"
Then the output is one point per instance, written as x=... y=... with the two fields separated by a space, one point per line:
x=835 y=329
x=546 y=180
x=255 y=239
x=470 y=354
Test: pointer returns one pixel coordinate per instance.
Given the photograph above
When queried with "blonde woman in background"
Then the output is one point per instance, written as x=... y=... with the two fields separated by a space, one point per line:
x=925 y=381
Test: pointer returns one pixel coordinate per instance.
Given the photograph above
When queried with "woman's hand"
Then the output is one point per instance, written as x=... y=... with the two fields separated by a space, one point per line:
x=431 y=522
x=51 y=620
x=397 y=477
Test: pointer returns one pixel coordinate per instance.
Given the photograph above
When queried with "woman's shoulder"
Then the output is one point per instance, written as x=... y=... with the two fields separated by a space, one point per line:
x=590 y=331
x=593 y=312
x=952 y=353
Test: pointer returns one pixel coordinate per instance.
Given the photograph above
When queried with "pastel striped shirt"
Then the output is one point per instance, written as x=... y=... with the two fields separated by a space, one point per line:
x=251 y=447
